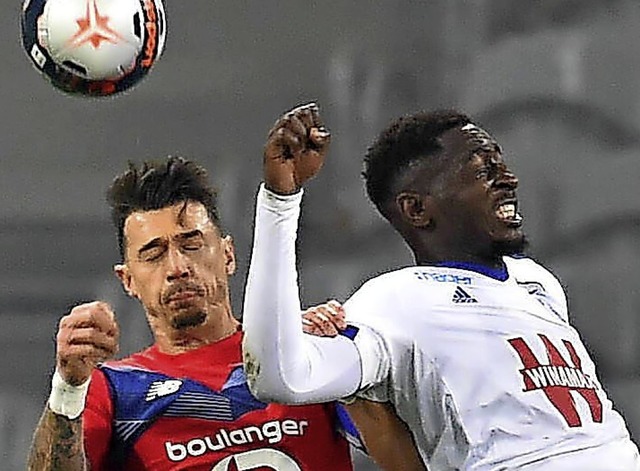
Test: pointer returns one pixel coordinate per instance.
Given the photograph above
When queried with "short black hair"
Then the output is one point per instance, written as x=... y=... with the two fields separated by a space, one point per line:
x=405 y=140
x=155 y=185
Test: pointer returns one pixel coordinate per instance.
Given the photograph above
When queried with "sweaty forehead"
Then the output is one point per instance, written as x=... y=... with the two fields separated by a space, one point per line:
x=467 y=140
x=480 y=139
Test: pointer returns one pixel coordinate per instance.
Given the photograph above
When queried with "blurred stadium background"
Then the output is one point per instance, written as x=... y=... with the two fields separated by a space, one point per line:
x=557 y=81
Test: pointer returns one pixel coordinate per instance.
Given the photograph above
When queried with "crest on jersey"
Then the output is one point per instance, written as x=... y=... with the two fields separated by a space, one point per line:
x=537 y=290
x=262 y=459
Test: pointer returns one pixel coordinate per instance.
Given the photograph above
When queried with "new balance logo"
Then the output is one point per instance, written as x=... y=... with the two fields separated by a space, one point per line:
x=461 y=296
x=162 y=388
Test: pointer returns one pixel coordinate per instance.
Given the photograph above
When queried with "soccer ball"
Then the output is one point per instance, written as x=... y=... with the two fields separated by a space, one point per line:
x=93 y=47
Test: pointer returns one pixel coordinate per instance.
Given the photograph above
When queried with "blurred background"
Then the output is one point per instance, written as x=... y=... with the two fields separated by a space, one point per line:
x=556 y=81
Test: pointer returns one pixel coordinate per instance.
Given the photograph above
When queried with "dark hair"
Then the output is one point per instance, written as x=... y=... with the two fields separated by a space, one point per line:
x=406 y=140
x=156 y=185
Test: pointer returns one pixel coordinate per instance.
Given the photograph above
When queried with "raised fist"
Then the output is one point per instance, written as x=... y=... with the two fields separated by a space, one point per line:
x=295 y=150
x=86 y=336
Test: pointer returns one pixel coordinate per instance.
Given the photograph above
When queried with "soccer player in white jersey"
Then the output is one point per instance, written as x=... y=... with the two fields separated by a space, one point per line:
x=472 y=346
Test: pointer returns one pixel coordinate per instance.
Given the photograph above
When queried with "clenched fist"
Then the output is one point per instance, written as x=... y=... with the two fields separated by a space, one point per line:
x=295 y=150
x=86 y=336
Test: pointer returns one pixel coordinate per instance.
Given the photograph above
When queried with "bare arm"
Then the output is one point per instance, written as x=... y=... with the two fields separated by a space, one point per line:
x=386 y=437
x=87 y=336
x=57 y=444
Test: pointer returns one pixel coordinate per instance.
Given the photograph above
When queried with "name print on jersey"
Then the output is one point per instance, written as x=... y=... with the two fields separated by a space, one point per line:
x=557 y=379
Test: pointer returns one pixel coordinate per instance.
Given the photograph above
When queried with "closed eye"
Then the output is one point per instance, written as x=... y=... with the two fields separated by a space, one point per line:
x=192 y=241
x=196 y=245
x=152 y=253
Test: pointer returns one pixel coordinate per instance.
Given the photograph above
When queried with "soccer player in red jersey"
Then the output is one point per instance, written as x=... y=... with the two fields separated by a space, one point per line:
x=182 y=403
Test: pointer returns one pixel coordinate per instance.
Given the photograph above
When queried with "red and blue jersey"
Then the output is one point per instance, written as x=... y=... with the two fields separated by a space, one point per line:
x=154 y=411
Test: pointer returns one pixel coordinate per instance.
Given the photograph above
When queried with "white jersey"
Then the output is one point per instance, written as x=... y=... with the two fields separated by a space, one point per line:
x=486 y=370
x=481 y=364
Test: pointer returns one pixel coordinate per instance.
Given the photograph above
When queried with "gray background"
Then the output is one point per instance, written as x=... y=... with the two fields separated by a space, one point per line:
x=555 y=80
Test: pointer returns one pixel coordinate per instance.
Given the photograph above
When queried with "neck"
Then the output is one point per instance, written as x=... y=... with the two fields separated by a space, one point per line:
x=171 y=340
x=490 y=263
x=434 y=257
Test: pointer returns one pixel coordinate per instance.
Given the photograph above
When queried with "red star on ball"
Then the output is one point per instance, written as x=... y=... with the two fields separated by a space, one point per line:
x=94 y=29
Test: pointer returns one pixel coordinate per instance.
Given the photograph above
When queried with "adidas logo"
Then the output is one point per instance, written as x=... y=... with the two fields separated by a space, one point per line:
x=461 y=296
x=162 y=388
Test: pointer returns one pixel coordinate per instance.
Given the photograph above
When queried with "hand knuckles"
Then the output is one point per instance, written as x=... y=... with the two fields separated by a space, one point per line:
x=62 y=333
x=62 y=354
x=84 y=307
x=76 y=310
x=100 y=308
x=101 y=305
x=62 y=323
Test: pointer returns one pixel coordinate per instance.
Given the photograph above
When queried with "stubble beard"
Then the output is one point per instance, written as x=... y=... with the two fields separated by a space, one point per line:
x=511 y=246
x=186 y=320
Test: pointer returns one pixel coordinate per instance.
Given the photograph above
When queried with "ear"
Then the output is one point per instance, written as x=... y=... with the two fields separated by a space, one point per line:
x=124 y=275
x=229 y=255
x=415 y=209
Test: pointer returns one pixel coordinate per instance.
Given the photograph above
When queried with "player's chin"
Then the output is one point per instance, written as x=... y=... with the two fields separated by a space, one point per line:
x=188 y=318
x=511 y=242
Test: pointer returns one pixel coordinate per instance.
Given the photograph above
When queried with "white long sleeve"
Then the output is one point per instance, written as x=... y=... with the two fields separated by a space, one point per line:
x=282 y=363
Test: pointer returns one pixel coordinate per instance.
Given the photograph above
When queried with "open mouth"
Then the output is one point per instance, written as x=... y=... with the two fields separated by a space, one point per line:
x=508 y=213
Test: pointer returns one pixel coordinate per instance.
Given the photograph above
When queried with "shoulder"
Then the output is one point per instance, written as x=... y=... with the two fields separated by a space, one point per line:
x=389 y=280
x=541 y=280
x=383 y=307
x=377 y=296
x=99 y=391
x=404 y=280
x=401 y=290
x=129 y=373
x=138 y=360
x=524 y=267
x=523 y=263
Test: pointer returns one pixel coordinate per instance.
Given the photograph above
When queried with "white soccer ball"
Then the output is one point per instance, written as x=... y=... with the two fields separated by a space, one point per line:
x=94 y=47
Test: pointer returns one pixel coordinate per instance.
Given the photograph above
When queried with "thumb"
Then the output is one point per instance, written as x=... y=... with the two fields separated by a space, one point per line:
x=319 y=137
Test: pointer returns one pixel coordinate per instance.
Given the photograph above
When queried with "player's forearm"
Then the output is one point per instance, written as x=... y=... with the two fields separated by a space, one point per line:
x=282 y=363
x=57 y=444
x=387 y=438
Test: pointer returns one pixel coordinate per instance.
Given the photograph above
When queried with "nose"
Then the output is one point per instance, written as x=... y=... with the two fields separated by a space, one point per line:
x=177 y=266
x=506 y=178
